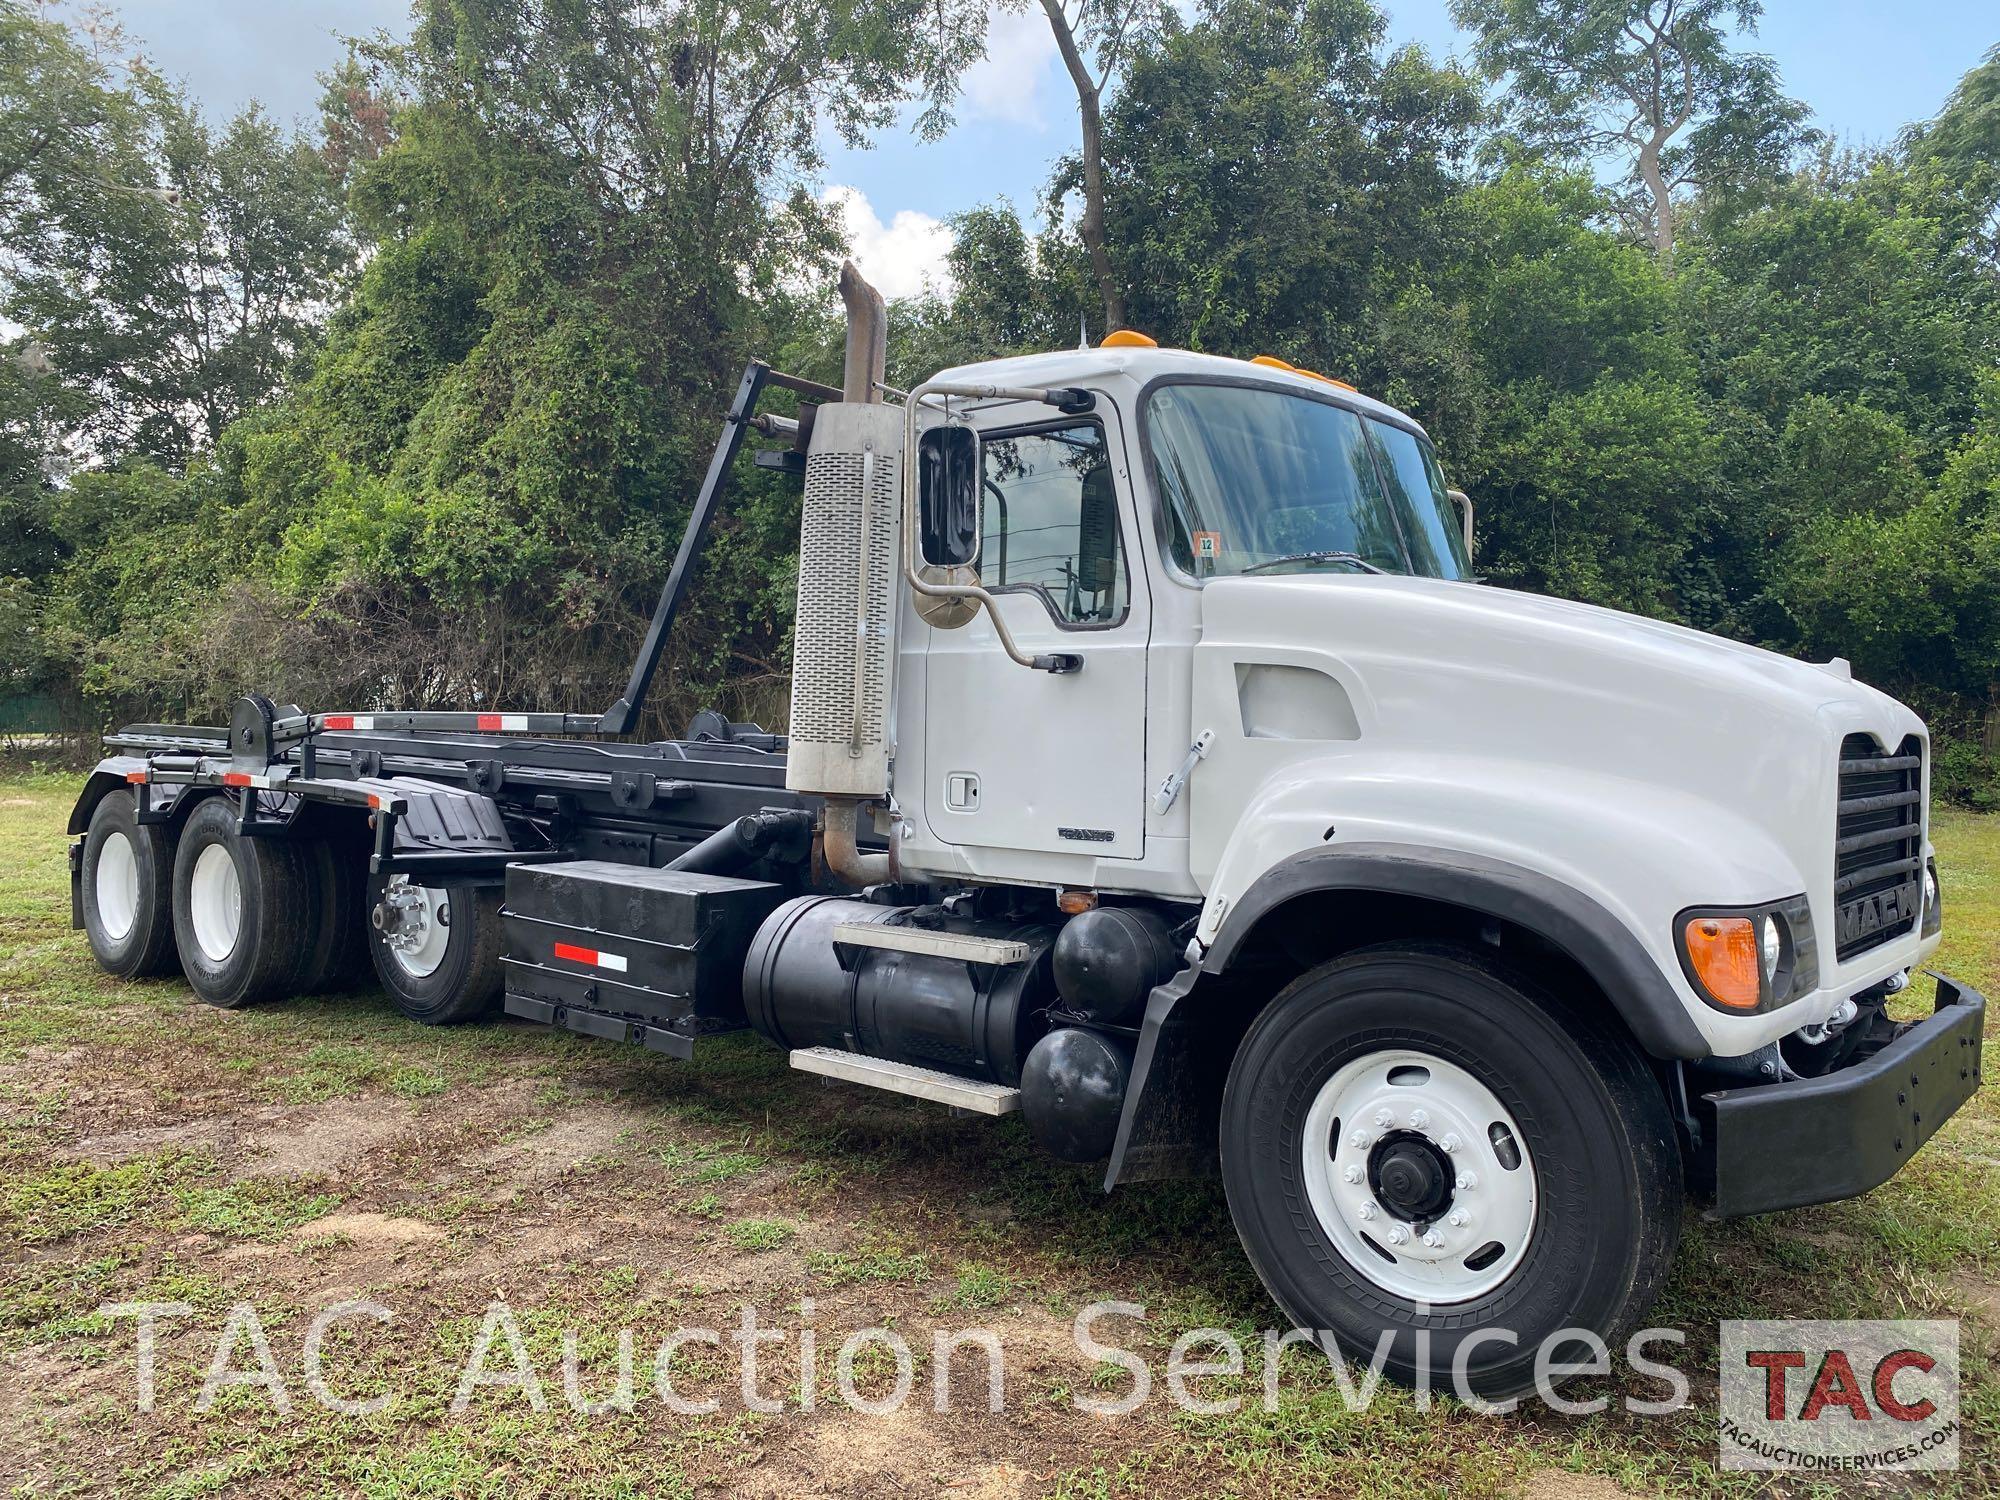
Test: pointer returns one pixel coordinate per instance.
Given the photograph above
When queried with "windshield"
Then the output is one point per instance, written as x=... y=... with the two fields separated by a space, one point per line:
x=1256 y=479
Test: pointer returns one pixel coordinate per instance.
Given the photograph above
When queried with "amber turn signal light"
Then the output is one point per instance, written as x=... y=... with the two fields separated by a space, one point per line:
x=1722 y=952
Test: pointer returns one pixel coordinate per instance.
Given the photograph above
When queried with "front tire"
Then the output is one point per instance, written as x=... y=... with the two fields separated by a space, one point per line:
x=128 y=890
x=245 y=909
x=436 y=948
x=1418 y=1139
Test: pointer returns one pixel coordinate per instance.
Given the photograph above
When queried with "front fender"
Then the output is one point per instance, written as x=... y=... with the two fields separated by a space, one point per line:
x=1582 y=852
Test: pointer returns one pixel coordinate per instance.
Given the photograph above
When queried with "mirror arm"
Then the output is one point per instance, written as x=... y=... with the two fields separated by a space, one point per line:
x=1059 y=662
x=1464 y=503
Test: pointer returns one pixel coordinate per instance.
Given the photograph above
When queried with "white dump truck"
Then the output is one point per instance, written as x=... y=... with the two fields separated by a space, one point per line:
x=1156 y=770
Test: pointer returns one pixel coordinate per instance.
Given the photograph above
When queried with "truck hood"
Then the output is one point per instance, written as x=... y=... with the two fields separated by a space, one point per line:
x=1444 y=679
x=1539 y=644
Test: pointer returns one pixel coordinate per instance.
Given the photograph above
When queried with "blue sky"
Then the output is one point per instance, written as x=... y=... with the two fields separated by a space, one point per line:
x=1865 y=68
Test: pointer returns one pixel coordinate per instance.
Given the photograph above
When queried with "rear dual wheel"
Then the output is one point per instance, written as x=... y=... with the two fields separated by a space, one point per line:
x=255 y=919
x=246 y=910
x=128 y=875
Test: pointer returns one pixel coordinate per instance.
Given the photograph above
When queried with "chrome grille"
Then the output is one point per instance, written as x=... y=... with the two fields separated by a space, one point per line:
x=1878 y=844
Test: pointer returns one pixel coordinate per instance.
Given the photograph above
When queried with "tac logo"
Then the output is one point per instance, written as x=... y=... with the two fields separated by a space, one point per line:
x=1839 y=1397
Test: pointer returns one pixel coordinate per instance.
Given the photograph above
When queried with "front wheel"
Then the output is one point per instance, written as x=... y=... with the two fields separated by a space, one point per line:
x=1419 y=1140
x=436 y=948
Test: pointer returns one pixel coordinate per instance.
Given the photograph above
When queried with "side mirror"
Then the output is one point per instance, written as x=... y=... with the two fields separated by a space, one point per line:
x=1464 y=503
x=948 y=496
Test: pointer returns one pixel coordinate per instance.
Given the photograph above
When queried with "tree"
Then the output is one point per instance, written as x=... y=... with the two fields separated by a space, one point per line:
x=1651 y=82
x=1960 y=151
x=1273 y=174
x=1093 y=38
x=172 y=272
x=589 y=214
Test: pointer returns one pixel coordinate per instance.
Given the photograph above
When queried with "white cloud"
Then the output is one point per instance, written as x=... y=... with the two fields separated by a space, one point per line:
x=900 y=256
x=1005 y=84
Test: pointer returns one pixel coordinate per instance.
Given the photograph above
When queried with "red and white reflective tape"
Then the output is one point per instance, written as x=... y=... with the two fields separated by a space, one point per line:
x=137 y=778
x=244 y=778
x=515 y=723
x=347 y=721
x=592 y=956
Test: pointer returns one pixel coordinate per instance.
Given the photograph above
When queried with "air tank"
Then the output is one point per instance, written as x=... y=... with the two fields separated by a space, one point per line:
x=1108 y=960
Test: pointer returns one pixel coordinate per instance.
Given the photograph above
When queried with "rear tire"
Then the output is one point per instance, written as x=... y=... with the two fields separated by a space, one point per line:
x=128 y=890
x=245 y=909
x=436 y=948
x=339 y=956
x=1339 y=1177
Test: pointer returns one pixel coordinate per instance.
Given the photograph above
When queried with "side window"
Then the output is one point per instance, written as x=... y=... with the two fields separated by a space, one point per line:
x=1049 y=522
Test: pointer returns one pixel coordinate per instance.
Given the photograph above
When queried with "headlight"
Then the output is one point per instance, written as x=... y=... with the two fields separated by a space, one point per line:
x=1772 y=944
x=1749 y=959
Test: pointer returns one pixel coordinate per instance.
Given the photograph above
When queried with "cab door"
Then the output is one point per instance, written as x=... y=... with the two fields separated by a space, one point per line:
x=1025 y=760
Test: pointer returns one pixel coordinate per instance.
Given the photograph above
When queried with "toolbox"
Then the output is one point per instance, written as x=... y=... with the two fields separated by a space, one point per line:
x=651 y=956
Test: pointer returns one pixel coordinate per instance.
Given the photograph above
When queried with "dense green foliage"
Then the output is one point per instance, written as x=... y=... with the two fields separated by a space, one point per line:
x=409 y=411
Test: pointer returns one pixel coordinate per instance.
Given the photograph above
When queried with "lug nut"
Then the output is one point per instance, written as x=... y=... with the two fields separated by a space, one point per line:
x=1433 y=1240
x=1459 y=1218
x=1398 y=1235
x=1352 y=1174
x=1419 y=1119
x=1366 y=1211
x=1383 y=1119
x=1450 y=1144
x=1360 y=1138
x=1467 y=1182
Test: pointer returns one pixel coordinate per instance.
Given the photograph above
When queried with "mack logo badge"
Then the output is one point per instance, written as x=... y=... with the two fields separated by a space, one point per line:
x=1872 y=913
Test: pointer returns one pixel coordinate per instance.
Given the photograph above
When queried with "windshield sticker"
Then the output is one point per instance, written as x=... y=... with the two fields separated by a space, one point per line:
x=1208 y=545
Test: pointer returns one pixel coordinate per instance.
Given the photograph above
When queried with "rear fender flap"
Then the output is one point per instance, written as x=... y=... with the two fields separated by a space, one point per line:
x=110 y=775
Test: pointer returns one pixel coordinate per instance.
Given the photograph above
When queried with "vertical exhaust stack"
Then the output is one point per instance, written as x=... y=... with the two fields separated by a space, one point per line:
x=844 y=646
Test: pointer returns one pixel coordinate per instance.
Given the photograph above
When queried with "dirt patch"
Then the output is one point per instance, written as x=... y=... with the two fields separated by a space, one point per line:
x=122 y=1145
x=990 y=1482
x=40 y=1064
x=579 y=1136
x=325 y=1139
x=370 y=1231
x=843 y=1455
x=1559 y=1484
x=1981 y=1296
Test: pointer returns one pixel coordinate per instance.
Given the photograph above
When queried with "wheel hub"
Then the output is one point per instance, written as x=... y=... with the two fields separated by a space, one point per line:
x=1411 y=1177
x=1419 y=1176
x=415 y=923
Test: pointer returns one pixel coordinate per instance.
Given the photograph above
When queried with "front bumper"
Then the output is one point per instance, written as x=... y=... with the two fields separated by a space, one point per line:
x=1813 y=1140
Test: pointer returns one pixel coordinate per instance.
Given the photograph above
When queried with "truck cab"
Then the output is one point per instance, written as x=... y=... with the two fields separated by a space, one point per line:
x=1280 y=649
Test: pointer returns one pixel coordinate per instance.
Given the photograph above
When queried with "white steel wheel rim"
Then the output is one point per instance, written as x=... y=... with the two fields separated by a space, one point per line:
x=117 y=886
x=418 y=940
x=215 y=902
x=1434 y=1105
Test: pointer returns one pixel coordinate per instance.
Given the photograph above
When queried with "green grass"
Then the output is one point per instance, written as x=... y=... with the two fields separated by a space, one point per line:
x=762 y=1234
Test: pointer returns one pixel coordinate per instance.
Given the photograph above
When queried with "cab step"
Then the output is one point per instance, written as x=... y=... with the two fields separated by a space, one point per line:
x=1000 y=952
x=906 y=1078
